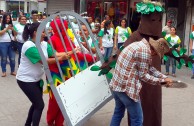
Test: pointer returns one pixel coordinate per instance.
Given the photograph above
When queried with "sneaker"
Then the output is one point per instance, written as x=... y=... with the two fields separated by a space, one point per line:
x=192 y=77
x=173 y=75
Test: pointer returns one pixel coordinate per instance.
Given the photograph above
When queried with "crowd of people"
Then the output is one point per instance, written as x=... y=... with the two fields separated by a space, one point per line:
x=137 y=55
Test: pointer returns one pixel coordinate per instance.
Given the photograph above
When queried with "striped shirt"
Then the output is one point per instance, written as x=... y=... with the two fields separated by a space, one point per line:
x=133 y=66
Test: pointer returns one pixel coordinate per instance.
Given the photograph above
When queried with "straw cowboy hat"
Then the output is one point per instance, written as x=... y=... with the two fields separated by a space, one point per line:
x=160 y=46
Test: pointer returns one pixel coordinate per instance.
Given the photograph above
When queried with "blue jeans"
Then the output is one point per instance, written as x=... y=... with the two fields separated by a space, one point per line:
x=6 y=50
x=107 y=52
x=122 y=101
x=173 y=61
x=19 y=51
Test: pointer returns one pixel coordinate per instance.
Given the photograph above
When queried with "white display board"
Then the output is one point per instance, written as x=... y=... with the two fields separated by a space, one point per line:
x=82 y=94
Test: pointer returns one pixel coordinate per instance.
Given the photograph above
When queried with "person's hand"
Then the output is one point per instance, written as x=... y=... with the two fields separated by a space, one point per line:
x=168 y=82
x=10 y=27
x=77 y=49
x=65 y=56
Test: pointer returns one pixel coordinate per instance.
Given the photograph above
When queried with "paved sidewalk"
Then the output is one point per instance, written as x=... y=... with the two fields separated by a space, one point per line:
x=178 y=104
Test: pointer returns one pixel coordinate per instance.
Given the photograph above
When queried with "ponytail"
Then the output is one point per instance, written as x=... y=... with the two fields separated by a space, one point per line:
x=29 y=30
x=106 y=24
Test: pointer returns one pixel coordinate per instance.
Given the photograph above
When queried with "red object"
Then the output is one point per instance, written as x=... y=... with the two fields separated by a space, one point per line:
x=54 y=114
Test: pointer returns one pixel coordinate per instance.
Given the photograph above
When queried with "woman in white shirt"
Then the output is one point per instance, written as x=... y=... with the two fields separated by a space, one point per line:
x=19 y=28
x=30 y=71
x=6 y=34
x=106 y=39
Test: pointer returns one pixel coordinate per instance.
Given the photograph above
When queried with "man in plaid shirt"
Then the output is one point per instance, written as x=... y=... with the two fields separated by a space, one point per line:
x=133 y=66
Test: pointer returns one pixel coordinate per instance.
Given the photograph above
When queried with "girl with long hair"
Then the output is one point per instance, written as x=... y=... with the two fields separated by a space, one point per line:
x=106 y=39
x=6 y=35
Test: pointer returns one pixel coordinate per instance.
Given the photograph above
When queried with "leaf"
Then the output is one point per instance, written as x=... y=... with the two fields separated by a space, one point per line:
x=113 y=64
x=190 y=65
x=95 y=68
x=103 y=71
x=182 y=61
x=158 y=8
x=179 y=66
x=165 y=58
x=121 y=48
x=176 y=46
x=168 y=39
x=109 y=75
x=106 y=60
x=163 y=34
x=174 y=52
x=183 y=51
x=191 y=57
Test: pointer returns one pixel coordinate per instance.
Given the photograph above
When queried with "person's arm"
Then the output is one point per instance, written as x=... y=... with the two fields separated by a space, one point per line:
x=116 y=38
x=4 y=30
x=100 y=34
x=143 y=60
x=153 y=71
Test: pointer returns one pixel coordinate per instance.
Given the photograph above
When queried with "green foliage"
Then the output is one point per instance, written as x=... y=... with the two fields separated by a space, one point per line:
x=163 y=34
x=183 y=51
x=182 y=61
x=113 y=64
x=148 y=7
x=103 y=71
x=190 y=65
x=191 y=57
x=109 y=75
x=179 y=66
x=95 y=68
x=176 y=46
x=175 y=53
x=165 y=58
x=121 y=48
x=106 y=60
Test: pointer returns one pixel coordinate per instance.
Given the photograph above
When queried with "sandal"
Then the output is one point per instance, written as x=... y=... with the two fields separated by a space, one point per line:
x=173 y=75
x=3 y=75
x=13 y=73
x=166 y=73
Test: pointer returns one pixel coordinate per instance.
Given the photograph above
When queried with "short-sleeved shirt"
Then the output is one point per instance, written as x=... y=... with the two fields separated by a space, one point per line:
x=5 y=37
x=174 y=39
x=123 y=33
x=19 y=28
x=107 y=39
x=30 y=69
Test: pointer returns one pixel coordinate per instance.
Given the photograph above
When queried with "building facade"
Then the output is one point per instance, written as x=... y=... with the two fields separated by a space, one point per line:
x=22 y=5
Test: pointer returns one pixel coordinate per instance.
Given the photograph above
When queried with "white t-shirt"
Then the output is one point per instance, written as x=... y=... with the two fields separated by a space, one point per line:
x=19 y=28
x=107 y=39
x=5 y=37
x=30 y=69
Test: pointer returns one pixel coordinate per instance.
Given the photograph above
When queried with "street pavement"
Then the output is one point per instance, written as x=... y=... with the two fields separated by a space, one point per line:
x=178 y=104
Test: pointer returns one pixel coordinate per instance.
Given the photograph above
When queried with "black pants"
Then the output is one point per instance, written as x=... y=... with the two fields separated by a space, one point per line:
x=34 y=93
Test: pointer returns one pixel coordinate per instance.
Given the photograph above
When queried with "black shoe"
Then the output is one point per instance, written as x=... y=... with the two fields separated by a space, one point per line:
x=192 y=77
